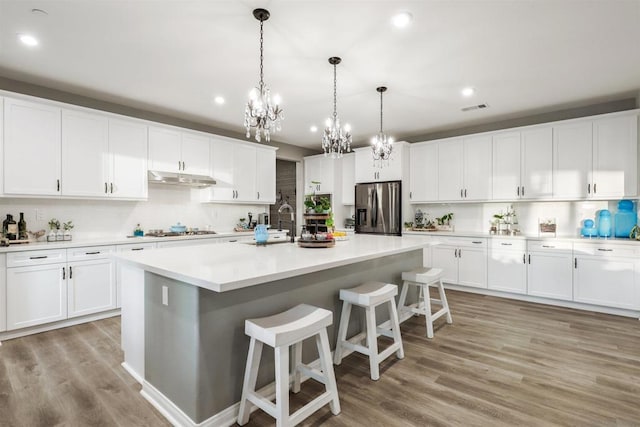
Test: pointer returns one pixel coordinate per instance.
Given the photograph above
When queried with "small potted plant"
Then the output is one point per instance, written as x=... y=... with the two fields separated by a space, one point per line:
x=54 y=227
x=408 y=225
x=309 y=204
x=330 y=222
x=444 y=222
x=67 y=226
x=242 y=224
x=323 y=205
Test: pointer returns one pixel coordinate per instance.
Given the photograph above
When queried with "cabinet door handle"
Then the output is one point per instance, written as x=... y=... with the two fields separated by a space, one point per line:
x=479 y=243
x=455 y=253
x=605 y=250
x=518 y=191
x=137 y=249
x=506 y=244
x=58 y=185
x=92 y=253
x=575 y=263
x=70 y=272
x=548 y=246
x=410 y=194
x=522 y=192
x=64 y=273
x=111 y=185
x=461 y=193
x=105 y=188
x=588 y=188
x=459 y=253
x=179 y=165
x=465 y=193
x=529 y=258
x=38 y=257
x=231 y=241
x=524 y=258
x=594 y=188
x=184 y=166
x=258 y=195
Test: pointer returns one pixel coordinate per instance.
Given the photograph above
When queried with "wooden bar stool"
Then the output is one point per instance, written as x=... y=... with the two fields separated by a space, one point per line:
x=423 y=278
x=369 y=295
x=281 y=331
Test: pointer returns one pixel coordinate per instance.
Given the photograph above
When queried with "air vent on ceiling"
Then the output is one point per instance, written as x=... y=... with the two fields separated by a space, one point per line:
x=476 y=107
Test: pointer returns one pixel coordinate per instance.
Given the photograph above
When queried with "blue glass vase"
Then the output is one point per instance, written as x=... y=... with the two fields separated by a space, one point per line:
x=261 y=234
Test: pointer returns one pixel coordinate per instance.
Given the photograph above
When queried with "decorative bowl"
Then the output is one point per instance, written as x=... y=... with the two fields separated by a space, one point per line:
x=178 y=228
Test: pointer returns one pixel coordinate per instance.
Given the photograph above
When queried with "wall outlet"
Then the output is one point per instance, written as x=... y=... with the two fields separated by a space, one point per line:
x=39 y=214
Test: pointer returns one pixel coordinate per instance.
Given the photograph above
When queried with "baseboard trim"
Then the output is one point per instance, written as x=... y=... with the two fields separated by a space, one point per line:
x=225 y=418
x=8 y=335
x=133 y=373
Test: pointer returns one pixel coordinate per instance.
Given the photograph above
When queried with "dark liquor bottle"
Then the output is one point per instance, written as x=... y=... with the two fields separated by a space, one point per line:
x=10 y=228
x=22 y=228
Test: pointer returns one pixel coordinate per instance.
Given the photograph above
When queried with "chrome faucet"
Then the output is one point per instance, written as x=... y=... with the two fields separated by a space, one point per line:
x=286 y=206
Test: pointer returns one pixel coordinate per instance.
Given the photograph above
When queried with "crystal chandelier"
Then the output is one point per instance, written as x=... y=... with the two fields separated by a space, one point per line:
x=335 y=139
x=381 y=144
x=262 y=113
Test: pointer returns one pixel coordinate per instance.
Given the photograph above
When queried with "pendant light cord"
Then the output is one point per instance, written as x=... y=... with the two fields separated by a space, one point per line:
x=261 y=56
x=380 y=112
x=335 y=84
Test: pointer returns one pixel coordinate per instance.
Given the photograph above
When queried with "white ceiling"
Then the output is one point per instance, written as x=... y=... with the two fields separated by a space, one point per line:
x=173 y=57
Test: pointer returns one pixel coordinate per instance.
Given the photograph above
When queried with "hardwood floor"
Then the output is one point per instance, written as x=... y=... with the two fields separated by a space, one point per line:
x=501 y=363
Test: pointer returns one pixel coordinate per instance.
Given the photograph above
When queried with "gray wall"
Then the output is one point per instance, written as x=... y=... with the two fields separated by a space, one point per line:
x=285 y=151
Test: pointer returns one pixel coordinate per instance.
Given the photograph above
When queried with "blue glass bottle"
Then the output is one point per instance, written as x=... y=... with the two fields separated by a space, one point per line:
x=261 y=234
x=625 y=218
x=604 y=223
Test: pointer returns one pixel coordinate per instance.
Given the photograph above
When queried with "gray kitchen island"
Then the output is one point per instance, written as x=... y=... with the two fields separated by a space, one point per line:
x=183 y=311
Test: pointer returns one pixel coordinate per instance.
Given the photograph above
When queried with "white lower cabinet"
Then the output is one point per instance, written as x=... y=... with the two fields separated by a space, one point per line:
x=91 y=287
x=131 y=247
x=550 y=269
x=36 y=294
x=506 y=266
x=606 y=275
x=463 y=260
x=3 y=292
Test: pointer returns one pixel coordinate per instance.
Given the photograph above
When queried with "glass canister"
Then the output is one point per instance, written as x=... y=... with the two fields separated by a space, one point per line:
x=604 y=223
x=261 y=234
x=625 y=218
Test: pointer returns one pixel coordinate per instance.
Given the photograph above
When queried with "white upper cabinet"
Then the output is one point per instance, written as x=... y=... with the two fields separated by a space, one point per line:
x=464 y=171
x=164 y=149
x=523 y=164
x=615 y=157
x=85 y=154
x=572 y=160
x=127 y=159
x=32 y=162
x=369 y=170
x=319 y=174
x=171 y=150
x=423 y=167
x=348 y=179
x=195 y=153
x=244 y=173
x=266 y=175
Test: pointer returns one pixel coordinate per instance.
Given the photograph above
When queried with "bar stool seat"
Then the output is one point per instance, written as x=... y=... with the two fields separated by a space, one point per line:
x=281 y=331
x=369 y=295
x=423 y=277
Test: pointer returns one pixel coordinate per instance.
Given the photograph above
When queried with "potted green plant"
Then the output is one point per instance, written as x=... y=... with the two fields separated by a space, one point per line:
x=67 y=226
x=323 y=205
x=444 y=222
x=54 y=227
x=309 y=204
x=408 y=225
x=329 y=222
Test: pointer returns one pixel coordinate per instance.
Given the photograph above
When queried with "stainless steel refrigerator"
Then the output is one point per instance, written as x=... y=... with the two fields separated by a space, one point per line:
x=379 y=208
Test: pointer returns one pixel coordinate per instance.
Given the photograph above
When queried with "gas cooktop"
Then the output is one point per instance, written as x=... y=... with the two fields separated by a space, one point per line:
x=161 y=233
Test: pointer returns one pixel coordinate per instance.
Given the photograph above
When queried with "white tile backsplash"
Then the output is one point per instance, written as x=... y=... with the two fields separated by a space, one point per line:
x=102 y=218
x=476 y=217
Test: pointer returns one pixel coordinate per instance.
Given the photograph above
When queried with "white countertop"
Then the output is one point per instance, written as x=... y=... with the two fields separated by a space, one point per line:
x=120 y=240
x=232 y=266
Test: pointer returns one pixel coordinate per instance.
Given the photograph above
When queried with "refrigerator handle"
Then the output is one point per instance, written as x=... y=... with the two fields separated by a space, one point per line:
x=374 y=210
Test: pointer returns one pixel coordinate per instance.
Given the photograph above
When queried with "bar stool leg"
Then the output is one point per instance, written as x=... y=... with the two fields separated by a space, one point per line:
x=250 y=377
x=402 y=301
x=372 y=342
x=427 y=310
x=297 y=361
x=395 y=328
x=322 y=342
x=445 y=304
x=342 y=332
x=282 y=386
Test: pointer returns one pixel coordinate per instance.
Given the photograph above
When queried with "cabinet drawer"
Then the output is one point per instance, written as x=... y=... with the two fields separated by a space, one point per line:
x=90 y=252
x=604 y=249
x=29 y=258
x=548 y=246
x=136 y=247
x=508 y=244
x=463 y=242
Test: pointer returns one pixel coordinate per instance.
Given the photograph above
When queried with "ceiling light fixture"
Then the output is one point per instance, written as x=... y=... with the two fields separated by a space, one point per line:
x=381 y=144
x=468 y=91
x=335 y=139
x=262 y=113
x=402 y=19
x=218 y=100
x=28 y=40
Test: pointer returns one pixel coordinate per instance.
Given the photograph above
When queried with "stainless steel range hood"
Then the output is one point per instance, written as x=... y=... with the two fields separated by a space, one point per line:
x=183 y=179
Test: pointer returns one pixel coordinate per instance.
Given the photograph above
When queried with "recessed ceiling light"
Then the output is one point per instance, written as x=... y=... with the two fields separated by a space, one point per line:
x=402 y=19
x=468 y=91
x=218 y=100
x=28 y=40
x=313 y=128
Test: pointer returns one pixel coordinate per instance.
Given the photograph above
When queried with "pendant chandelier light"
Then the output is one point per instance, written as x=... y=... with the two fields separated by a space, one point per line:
x=381 y=144
x=335 y=139
x=262 y=113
